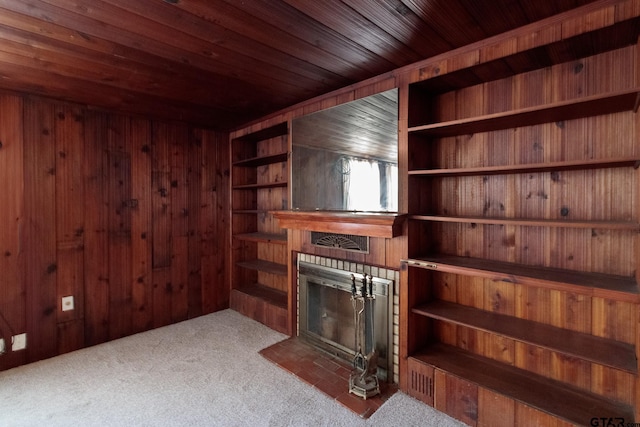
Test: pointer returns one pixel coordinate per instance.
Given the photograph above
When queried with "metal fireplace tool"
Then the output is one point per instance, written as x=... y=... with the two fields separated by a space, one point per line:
x=363 y=380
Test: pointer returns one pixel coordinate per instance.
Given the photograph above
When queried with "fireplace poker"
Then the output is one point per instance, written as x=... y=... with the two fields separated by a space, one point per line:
x=363 y=380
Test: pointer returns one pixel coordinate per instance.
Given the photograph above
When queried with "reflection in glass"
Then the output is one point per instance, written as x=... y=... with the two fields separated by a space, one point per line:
x=345 y=157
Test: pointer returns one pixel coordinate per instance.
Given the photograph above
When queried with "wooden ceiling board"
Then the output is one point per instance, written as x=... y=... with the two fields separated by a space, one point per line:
x=307 y=39
x=223 y=63
x=350 y=24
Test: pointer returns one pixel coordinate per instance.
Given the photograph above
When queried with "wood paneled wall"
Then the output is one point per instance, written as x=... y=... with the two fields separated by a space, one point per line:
x=127 y=215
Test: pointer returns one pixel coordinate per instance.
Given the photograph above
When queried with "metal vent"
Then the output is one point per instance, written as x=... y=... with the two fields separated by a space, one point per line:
x=421 y=382
x=348 y=242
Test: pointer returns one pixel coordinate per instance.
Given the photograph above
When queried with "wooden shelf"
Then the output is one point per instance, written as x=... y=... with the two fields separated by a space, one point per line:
x=264 y=266
x=262 y=160
x=246 y=211
x=260 y=186
x=372 y=224
x=259 y=171
x=277 y=130
x=252 y=211
x=563 y=401
x=530 y=168
x=612 y=102
x=593 y=284
x=603 y=351
x=269 y=295
x=263 y=304
x=565 y=223
x=279 y=239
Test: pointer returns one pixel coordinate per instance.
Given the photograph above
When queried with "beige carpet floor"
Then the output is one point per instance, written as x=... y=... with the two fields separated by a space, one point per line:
x=201 y=372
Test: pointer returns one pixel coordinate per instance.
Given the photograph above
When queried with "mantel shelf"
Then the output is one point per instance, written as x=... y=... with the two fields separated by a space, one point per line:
x=279 y=239
x=372 y=224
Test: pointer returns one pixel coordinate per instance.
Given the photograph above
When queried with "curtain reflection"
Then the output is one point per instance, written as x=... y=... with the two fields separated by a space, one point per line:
x=370 y=185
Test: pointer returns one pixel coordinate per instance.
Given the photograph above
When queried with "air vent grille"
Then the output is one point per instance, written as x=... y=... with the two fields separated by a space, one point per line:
x=421 y=382
x=347 y=242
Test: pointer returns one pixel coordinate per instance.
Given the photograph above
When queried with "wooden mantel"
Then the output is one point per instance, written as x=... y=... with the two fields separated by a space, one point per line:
x=372 y=224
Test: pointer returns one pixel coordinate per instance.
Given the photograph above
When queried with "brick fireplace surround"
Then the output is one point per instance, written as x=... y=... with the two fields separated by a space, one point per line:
x=328 y=373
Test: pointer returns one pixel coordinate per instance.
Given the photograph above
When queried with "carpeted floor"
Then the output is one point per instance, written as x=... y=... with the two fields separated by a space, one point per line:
x=202 y=372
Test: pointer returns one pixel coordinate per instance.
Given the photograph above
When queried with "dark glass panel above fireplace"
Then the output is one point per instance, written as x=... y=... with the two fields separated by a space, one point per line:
x=345 y=158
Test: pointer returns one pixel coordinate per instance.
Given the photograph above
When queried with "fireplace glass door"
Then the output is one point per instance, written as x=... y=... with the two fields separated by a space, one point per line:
x=327 y=317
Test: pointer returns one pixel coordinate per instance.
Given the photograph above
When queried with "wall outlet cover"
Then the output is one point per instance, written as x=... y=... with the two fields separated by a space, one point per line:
x=19 y=342
x=2 y=348
x=67 y=303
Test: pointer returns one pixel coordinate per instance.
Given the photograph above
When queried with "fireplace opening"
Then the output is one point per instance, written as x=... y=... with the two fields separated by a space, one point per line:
x=326 y=313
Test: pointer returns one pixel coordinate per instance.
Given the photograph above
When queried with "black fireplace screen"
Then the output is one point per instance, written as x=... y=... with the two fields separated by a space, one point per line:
x=327 y=314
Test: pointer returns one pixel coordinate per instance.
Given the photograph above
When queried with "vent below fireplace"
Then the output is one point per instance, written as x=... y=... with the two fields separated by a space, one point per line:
x=348 y=242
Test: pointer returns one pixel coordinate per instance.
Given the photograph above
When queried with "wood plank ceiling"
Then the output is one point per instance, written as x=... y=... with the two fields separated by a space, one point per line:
x=221 y=63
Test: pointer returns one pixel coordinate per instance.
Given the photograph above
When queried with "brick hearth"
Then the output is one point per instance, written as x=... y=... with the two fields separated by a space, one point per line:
x=325 y=372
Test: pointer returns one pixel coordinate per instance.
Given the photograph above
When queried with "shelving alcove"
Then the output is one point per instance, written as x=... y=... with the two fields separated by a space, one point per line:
x=259 y=187
x=522 y=246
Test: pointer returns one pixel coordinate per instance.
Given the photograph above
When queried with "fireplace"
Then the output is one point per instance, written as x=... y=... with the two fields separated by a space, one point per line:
x=326 y=314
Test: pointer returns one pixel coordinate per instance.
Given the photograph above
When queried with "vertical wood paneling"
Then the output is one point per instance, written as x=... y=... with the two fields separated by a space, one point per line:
x=69 y=128
x=96 y=236
x=89 y=215
x=161 y=285
x=179 y=149
x=12 y=217
x=69 y=196
x=119 y=220
x=40 y=236
x=194 y=245
x=70 y=279
x=215 y=222
x=495 y=410
x=161 y=220
x=70 y=336
x=141 y=226
x=161 y=190
x=179 y=278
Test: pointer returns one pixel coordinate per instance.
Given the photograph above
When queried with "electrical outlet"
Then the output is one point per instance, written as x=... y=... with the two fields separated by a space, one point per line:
x=67 y=303
x=2 y=348
x=19 y=342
